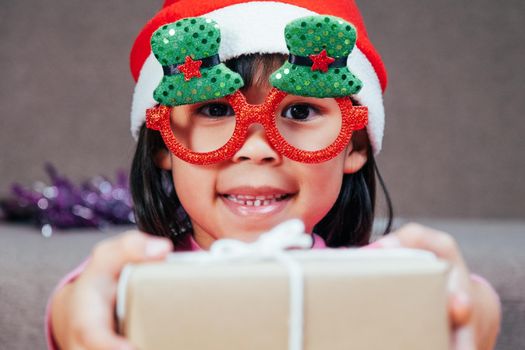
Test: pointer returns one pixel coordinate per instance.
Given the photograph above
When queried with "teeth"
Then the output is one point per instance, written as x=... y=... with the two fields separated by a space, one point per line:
x=255 y=201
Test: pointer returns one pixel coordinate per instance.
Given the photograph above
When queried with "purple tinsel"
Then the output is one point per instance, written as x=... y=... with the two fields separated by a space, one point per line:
x=95 y=203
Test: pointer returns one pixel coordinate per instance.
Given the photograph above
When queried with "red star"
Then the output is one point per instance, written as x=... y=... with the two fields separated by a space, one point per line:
x=190 y=68
x=321 y=61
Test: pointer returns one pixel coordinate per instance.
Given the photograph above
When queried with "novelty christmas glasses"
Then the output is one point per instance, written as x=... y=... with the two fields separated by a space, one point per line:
x=304 y=129
x=308 y=115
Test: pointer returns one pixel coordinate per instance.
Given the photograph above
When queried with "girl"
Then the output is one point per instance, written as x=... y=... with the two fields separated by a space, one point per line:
x=248 y=114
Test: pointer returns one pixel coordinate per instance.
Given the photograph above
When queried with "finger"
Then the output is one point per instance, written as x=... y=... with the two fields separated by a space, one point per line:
x=460 y=309
x=420 y=237
x=441 y=244
x=103 y=341
x=460 y=296
x=110 y=256
x=463 y=339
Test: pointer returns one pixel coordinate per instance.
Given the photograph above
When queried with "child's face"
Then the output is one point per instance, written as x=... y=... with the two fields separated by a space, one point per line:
x=258 y=188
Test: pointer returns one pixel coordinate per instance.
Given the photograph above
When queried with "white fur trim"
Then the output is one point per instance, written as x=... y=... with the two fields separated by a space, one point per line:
x=370 y=95
x=149 y=78
x=255 y=27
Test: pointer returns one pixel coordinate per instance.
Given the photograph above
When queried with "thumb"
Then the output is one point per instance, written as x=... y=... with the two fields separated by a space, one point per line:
x=459 y=297
x=110 y=256
x=460 y=309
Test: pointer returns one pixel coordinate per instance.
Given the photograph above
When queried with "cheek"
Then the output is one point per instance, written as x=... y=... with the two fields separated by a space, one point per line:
x=321 y=186
x=325 y=180
x=193 y=184
x=326 y=176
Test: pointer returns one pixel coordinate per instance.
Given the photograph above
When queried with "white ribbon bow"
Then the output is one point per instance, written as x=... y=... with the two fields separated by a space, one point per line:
x=272 y=245
x=289 y=234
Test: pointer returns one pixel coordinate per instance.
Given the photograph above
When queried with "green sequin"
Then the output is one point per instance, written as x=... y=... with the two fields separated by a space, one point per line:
x=309 y=36
x=198 y=38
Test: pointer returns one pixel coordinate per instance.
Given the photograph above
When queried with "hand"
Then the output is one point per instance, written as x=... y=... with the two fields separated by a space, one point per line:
x=473 y=307
x=82 y=313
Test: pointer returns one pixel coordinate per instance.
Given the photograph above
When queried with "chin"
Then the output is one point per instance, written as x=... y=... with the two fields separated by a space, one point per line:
x=249 y=233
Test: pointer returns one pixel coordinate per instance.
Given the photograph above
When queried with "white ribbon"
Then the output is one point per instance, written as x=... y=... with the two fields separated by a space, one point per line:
x=289 y=234
x=271 y=245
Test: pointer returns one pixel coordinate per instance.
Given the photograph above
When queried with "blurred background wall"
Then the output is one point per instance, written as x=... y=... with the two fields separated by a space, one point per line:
x=454 y=140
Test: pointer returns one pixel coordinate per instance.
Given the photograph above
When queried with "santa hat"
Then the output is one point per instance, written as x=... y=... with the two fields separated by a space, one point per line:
x=258 y=27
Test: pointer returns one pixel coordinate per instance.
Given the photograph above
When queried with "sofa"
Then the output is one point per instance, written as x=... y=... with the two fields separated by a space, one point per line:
x=31 y=265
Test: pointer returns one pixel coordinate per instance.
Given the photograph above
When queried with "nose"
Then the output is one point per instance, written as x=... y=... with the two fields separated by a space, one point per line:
x=257 y=148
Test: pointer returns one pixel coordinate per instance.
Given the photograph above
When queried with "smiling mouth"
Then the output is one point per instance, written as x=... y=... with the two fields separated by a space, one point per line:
x=257 y=201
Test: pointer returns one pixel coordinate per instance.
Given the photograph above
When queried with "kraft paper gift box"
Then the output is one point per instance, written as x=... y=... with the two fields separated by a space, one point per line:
x=353 y=299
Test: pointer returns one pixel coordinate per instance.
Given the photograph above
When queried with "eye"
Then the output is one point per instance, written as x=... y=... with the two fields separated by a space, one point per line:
x=216 y=110
x=300 y=112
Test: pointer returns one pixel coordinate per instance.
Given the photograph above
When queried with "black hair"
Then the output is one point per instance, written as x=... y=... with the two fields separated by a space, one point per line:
x=158 y=210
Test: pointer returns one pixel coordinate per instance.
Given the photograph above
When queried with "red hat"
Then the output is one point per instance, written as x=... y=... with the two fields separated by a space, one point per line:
x=258 y=27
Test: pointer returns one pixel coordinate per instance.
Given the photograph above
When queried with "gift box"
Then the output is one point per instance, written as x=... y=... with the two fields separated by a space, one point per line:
x=314 y=300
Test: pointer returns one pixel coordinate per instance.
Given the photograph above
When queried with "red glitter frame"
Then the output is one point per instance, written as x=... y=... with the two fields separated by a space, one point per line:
x=353 y=118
